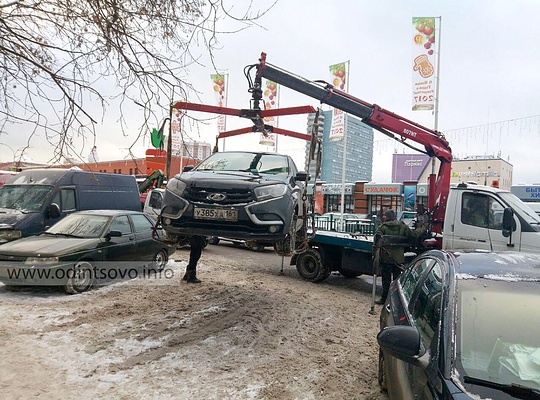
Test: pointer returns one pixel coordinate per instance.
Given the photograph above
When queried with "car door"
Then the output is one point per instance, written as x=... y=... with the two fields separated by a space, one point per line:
x=414 y=302
x=470 y=232
x=121 y=251
x=425 y=309
x=146 y=247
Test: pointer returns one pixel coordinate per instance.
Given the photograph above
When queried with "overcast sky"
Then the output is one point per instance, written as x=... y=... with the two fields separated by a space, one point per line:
x=489 y=96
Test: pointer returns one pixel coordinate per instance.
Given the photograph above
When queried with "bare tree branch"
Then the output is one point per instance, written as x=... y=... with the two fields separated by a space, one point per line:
x=59 y=59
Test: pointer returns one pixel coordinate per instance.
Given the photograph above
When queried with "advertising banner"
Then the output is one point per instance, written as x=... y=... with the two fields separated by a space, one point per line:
x=270 y=97
x=409 y=197
x=424 y=63
x=176 y=132
x=408 y=167
x=339 y=76
x=220 y=93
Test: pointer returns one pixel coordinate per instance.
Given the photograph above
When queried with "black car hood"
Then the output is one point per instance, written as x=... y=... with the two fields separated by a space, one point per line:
x=46 y=245
x=227 y=179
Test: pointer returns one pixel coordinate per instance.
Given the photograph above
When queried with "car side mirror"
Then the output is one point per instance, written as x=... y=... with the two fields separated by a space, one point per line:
x=401 y=341
x=112 y=234
x=54 y=210
x=508 y=221
x=188 y=168
x=301 y=176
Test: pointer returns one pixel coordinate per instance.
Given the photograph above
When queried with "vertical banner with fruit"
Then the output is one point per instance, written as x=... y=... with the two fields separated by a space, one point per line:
x=176 y=132
x=424 y=63
x=270 y=97
x=218 y=82
x=339 y=77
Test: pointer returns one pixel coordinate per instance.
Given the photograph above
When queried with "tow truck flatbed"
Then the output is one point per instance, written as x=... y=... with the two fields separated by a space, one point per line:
x=342 y=239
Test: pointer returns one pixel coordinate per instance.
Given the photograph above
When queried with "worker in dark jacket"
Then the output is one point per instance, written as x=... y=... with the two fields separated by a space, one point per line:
x=392 y=258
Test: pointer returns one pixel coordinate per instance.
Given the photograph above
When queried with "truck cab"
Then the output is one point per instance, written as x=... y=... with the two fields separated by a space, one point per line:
x=482 y=217
x=152 y=203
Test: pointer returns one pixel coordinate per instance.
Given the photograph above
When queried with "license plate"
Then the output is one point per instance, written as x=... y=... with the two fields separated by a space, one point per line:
x=218 y=214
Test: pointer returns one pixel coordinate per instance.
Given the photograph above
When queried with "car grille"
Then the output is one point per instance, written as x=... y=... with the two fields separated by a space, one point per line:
x=233 y=196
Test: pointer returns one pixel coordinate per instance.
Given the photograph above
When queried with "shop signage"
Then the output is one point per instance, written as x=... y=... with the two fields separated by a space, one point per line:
x=391 y=189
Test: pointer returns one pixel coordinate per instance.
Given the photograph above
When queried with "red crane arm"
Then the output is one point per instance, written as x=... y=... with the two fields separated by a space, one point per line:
x=392 y=125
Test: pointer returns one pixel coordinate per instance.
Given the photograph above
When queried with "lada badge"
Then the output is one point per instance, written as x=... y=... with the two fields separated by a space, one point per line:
x=216 y=196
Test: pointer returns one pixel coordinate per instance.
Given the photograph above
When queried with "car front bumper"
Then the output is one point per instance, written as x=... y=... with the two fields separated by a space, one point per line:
x=14 y=274
x=268 y=220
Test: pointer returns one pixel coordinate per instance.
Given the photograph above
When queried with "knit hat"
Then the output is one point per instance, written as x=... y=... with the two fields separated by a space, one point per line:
x=390 y=214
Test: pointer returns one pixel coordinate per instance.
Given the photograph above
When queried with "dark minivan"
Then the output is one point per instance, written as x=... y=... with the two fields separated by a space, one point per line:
x=36 y=199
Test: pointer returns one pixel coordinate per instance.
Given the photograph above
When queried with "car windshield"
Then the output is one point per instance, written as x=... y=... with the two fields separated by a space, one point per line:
x=80 y=225
x=256 y=163
x=504 y=353
x=25 y=198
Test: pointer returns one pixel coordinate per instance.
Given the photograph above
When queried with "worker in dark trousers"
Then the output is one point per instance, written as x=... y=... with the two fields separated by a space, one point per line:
x=392 y=258
x=197 y=244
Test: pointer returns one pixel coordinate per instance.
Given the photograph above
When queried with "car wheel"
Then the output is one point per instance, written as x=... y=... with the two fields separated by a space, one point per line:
x=310 y=266
x=213 y=240
x=160 y=260
x=80 y=278
x=381 y=376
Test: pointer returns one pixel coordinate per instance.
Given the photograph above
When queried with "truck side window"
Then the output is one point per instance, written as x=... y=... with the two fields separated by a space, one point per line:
x=65 y=200
x=481 y=210
x=155 y=199
x=68 y=200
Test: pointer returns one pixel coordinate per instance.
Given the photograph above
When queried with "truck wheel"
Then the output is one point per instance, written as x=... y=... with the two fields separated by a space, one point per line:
x=310 y=266
x=80 y=278
x=213 y=240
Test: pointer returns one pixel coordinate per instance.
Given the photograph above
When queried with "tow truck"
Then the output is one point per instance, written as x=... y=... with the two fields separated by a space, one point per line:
x=518 y=229
x=323 y=252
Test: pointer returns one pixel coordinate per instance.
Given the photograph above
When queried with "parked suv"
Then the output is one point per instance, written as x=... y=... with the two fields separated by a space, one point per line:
x=238 y=195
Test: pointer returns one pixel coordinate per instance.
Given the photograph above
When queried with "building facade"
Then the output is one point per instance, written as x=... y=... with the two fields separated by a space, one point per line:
x=482 y=170
x=358 y=147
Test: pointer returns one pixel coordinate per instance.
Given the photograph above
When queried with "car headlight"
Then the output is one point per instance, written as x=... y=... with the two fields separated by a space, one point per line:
x=270 y=191
x=41 y=260
x=176 y=186
x=10 y=235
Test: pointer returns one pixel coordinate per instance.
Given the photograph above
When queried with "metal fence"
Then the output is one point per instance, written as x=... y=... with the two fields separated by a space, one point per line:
x=350 y=225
